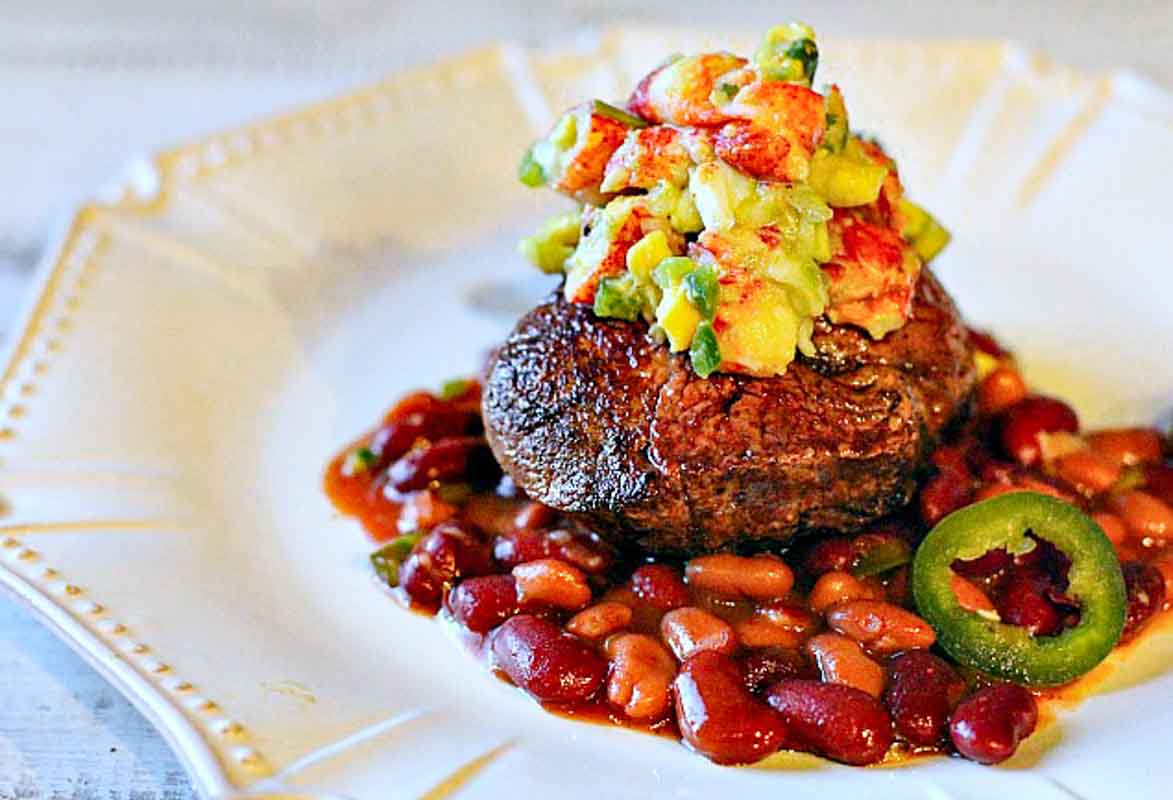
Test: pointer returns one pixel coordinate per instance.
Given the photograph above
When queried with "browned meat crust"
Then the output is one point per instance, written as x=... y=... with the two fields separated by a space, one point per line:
x=590 y=417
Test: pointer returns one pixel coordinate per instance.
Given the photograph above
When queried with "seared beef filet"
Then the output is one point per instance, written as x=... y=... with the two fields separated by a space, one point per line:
x=590 y=416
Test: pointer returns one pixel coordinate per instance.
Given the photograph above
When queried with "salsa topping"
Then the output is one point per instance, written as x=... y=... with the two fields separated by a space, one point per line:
x=741 y=168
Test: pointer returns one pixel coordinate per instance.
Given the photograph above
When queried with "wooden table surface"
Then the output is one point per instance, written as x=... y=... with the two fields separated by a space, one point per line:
x=74 y=67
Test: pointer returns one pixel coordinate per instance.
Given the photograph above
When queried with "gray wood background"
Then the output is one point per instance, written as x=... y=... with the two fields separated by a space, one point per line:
x=67 y=67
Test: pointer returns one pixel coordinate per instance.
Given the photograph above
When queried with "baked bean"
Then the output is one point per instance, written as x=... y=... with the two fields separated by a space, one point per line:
x=445 y=460
x=1126 y=447
x=1112 y=526
x=762 y=577
x=922 y=692
x=882 y=627
x=835 y=554
x=839 y=722
x=1145 y=586
x=535 y=515
x=641 y=675
x=1088 y=471
x=1146 y=518
x=548 y=663
x=841 y=660
x=793 y=622
x=971 y=598
x=836 y=587
x=660 y=586
x=989 y=726
x=423 y=511
x=600 y=620
x=1024 y=422
x=759 y=632
x=763 y=668
x=717 y=715
x=481 y=604
x=1000 y=390
x=690 y=630
x=550 y=582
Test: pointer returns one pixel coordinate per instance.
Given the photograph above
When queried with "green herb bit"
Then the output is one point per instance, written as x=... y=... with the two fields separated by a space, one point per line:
x=358 y=460
x=671 y=271
x=701 y=288
x=886 y=555
x=788 y=53
x=386 y=559
x=454 y=388
x=618 y=298
x=705 y=353
x=529 y=171
x=618 y=114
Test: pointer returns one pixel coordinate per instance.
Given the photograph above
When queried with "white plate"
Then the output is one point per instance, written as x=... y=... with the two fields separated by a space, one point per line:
x=202 y=343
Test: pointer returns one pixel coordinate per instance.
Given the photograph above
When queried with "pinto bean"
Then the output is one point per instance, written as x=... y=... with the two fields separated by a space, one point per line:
x=762 y=577
x=841 y=660
x=600 y=620
x=641 y=675
x=550 y=582
x=836 y=587
x=1126 y=447
x=839 y=722
x=1088 y=471
x=717 y=715
x=1112 y=526
x=971 y=598
x=882 y=627
x=690 y=630
x=1146 y=518
x=778 y=624
x=1000 y=390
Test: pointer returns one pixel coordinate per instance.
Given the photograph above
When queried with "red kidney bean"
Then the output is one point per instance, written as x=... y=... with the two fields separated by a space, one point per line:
x=548 y=663
x=535 y=515
x=418 y=417
x=481 y=604
x=985 y=566
x=764 y=668
x=981 y=340
x=1159 y=481
x=1024 y=422
x=836 y=721
x=1146 y=595
x=830 y=555
x=951 y=458
x=580 y=549
x=943 y=494
x=1023 y=603
x=446 y=460
x=447 y=553
x=660 y=586
x=989 y=726
x=922 y=692
x=717 y=715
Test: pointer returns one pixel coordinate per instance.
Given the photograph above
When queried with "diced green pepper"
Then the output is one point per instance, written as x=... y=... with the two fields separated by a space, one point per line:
x=1011 y=521
x=553 y=242
x=884 y=556
x=927 y=236
x=358 y=461
x=386 y=559
x=454 y=388
x=618 y=114
x=701 y=287
x=705 y=353
x=619 y=298
x=835 y=138
x=529 y=171
x=788 y=53
x=671 y=271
